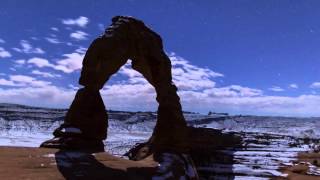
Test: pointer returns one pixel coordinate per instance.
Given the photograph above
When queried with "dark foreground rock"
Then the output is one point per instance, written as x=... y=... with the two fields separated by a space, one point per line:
x=203 y=146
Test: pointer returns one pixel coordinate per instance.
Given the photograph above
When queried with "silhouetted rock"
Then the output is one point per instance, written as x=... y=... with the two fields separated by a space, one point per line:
x=203 y=144
x=126 y=38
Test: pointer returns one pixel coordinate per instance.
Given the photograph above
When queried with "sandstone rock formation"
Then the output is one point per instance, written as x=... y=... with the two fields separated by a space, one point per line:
x=126 y=38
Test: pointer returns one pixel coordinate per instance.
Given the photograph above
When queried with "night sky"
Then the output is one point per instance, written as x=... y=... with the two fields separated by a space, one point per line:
x=241 y=57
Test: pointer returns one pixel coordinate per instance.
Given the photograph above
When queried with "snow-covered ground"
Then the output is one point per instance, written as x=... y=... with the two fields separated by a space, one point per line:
x=270 y=142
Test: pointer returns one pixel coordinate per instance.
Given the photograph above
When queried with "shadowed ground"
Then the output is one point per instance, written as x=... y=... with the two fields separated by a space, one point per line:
x=35 y=163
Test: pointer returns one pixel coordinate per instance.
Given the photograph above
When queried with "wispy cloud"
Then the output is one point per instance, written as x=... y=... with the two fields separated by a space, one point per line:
x=27 y=48
x=2 y=41
x=53 y=40
x=20 y=61
x=315 y=85
x=198 y=90
x=185 y=75
x=138 y=94
x=81 y=21
x=23 y=81
x=4 y=53
x=79 y=35
x=54 y=29
x=293 y=86
x=276 y=89
x=45 y=74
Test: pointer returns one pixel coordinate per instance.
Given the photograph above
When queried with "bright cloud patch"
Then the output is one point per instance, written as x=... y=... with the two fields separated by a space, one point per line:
x=81 y=21
x=5 y=82
x=202 y=94
x=20 y=61
x=276 y=89
x=196 y=86
x=54 y=29
x=53 y=40
x=49 y=96
x=45 y=74
x=68 y=64
x=23 y=81
x=40 y=62
x=315 y=85
x=293 y=86
x=4 y=53
x=198 y=90
x=190 y=77
x=79 y=35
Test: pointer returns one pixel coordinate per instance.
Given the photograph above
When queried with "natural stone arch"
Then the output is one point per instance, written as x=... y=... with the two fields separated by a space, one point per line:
x=126 y=38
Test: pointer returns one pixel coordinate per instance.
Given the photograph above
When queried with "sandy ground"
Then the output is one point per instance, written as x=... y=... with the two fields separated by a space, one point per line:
x=47 y=164
x=41 y=163
x=308 y=162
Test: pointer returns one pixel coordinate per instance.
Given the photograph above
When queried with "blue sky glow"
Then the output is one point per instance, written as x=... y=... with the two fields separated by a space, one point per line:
x=236 y=56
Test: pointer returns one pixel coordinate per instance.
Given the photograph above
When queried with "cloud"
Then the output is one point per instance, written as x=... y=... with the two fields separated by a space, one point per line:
x=188 y=76
x=69 y=63
x=53 y=40
x=195 y=85
x=199 y=90
x=49 y=96
x=34 y=38
x=315 y=85
x=4 y=53
x=293 y=86
x=276 y=89
x=2 y=41
x=23 y=81
x=40 y=62
x=232 y=91
x=27 y=48
x=71 y=86
x=18 y=64
x=54 y=29
x=81 y=21
x=79 y=35
x=185 y=75
x=20 y=61
x=5 y=82
x=45 y=74
x=136 y=94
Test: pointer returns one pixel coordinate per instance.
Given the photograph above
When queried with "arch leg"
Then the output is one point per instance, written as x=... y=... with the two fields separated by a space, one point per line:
x=171 y=128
